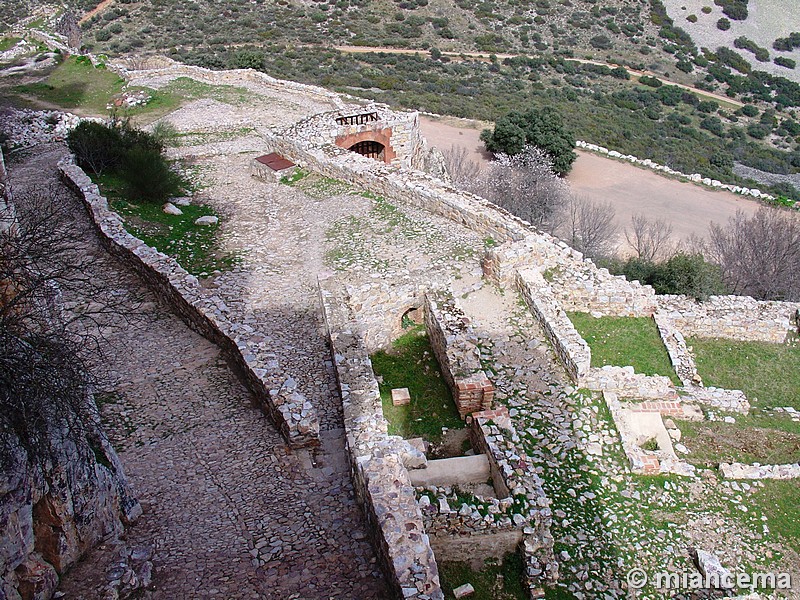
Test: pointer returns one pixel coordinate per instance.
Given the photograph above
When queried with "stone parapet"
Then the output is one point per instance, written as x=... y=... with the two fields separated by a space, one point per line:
x=719 y=398
x=293 y=415
x=569 y=346
x=454 y=345
x=380 y=478
x=756 y=471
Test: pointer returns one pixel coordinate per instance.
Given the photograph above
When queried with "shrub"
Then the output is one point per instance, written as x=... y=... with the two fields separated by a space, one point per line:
x=692 y=18
x=758 y=131
x=723 y=24
x=651 y=81
x=97 y=147
x=706 y=10
x=147 y=176
x=707 y=106
x=748 y=110
x=601 y=42
x=782 y=61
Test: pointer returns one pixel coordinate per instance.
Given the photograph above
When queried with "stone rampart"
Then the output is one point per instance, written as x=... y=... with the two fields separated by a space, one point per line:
x=380 y=478
x=454 y=345
x=292 y=414
x=733 y=317
x=569 y=346
x=756 y=471
x=167 y=70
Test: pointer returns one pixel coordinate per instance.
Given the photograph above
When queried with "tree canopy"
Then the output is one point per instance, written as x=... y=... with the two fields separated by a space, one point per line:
x=540 y=127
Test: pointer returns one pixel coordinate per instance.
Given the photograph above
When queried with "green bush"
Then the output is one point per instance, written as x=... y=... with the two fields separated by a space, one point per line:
x=97 y=147
x=147 y=176
x=723 y=24
x=543 y=128
x=688 y=274
x=782 y=61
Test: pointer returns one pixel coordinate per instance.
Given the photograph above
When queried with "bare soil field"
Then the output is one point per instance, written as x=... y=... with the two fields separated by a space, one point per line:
x=767 y=20
x=689 y=208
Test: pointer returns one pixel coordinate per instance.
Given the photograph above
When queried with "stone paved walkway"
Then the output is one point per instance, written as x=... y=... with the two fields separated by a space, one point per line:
x=230 y=511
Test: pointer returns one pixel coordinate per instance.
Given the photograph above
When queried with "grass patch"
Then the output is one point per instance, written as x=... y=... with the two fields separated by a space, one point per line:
x=195 y=247
x=625 y=341
x=8 y=42
x=778 y=500
x=496 y=581
x=74 y=84
x=768 y=373
x=411 y=364
x=191 y=89
x=712 y=442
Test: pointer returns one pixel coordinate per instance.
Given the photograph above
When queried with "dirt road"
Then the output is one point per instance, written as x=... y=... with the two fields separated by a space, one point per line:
x=689 y=208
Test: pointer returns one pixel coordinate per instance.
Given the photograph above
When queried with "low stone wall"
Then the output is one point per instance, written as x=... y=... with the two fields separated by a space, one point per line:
x=569 y=346
x=629 y=384
x=647 y=462
x=455 y=348
x=381 y=480
x=679 y=355
x=292 y=414
x=513 y=473
x=694 y=177
x=742 y=471
x=733 y=317
x=722 y=399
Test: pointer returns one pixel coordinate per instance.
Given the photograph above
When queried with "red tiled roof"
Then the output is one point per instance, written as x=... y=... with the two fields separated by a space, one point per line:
x=275 y=161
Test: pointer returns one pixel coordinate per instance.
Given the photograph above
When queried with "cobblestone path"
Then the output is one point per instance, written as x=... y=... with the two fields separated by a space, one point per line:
x=228 y=509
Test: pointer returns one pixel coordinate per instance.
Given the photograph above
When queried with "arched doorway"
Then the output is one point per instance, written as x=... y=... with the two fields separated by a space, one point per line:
x=370 y=149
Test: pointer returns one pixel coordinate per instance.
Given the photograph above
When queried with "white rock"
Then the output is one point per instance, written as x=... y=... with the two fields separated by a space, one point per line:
x=170 y=209
x=207 y=220
x=463 y=591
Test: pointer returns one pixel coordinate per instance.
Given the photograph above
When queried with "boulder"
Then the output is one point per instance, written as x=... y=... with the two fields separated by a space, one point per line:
x=207 y=220
x=170 y=209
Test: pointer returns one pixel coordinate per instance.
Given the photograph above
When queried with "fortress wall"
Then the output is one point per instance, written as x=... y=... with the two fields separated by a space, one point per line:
x=380 y=479
x=294 y=417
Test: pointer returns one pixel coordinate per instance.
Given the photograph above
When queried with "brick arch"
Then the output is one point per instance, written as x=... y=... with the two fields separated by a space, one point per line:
x=382 y=136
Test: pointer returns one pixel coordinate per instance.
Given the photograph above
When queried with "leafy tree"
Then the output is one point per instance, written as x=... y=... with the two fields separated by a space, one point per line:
x=540 y=127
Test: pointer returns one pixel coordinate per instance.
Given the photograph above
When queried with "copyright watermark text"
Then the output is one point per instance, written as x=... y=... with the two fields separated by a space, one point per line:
x=638 y=578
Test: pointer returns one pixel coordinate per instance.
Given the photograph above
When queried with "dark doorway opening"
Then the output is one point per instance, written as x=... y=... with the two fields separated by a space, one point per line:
x=369 y=149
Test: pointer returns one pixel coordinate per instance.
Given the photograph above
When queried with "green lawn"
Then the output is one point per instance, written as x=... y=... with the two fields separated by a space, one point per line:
x=768 y=373
x=780 y=501
x=195 y=247
x=7 y=43
x=625 y=341
x=749 y=440
x=502 y=581
x=76 y=83
x=411 y=364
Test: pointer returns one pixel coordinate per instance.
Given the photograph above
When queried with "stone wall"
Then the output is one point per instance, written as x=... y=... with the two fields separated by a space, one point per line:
x=513 y=472
x=629 y=384
x=454 y=345
x=742 y=471
x=733 y=317
x=380 y=478
x=292 y=414
x=567 y=343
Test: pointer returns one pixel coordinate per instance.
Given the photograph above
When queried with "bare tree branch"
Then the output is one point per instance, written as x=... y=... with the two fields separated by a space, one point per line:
x=650 y=239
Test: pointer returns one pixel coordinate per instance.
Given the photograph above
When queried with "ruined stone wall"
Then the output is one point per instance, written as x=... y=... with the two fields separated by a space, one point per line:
x=380 y=478
x=494 y=434
x=292 y=414
x=567 y=343
x=454 y=345
x=734 y=317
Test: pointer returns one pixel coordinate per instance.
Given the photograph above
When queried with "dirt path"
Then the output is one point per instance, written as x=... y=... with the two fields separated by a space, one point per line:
x=501 y=56
x=100 y=7
x=229 y=510
x=689 y=208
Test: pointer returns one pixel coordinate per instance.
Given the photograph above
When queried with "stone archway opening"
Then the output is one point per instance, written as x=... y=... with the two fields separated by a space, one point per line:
x=411 y=317
x=370 y=149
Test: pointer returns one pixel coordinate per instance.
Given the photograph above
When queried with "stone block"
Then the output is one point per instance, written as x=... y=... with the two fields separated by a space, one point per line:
x=463 y=591
x=400 y=397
